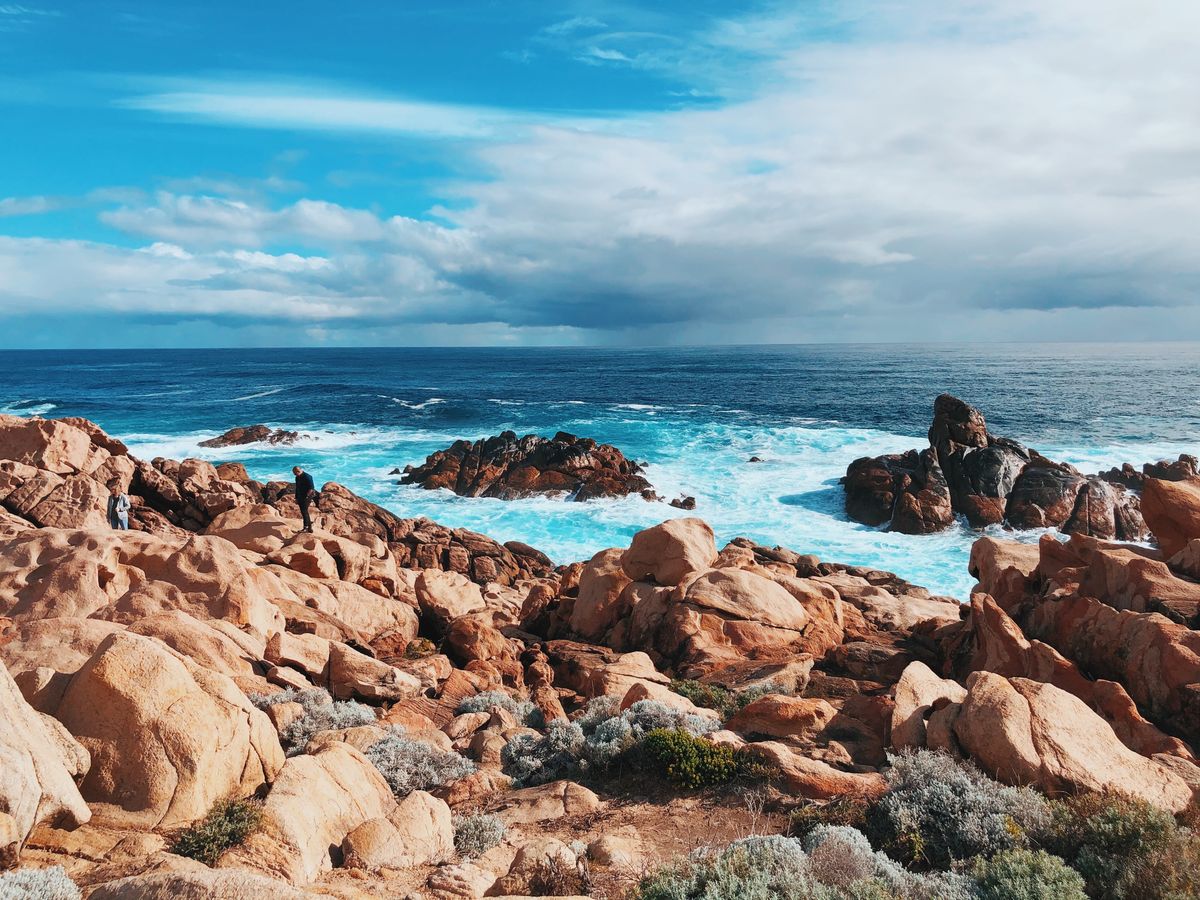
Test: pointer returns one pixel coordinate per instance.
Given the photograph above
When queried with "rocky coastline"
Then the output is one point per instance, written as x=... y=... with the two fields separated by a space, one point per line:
x=217 y=704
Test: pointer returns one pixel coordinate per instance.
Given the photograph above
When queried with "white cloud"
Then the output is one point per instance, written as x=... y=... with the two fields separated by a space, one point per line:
x=980 y=170
x=27 y=206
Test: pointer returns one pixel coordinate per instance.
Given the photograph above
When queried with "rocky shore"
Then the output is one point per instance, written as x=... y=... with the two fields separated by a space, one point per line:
x=217 y=704
x=508 y=468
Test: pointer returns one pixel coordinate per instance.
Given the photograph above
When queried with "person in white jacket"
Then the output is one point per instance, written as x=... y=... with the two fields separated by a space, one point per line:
x=118 y=507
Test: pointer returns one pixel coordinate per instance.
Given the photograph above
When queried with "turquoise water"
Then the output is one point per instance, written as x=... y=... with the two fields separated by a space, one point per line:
x=695 y=416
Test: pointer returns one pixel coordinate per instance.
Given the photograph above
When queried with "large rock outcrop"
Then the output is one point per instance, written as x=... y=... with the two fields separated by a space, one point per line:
x=1028 y=732
x=968 y=471
x=167 y=737
x=36 y=772
x=508 y=467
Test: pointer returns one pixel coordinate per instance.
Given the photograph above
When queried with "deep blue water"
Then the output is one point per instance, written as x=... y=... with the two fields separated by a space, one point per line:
x=695 y=415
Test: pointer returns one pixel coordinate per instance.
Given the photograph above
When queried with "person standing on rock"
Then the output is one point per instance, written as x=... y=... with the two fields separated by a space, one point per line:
x=118 y=507
x=306 y=493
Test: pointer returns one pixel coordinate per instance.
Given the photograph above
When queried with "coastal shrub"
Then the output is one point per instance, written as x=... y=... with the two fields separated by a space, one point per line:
x=850 y=811
x=476 y=834
x=842 y=858
x=1124 y=847
x=553 y=876
x=599 y=709
x=1026 y=875
x=306 y=698
x=758 y=868
x=227 y=824
x=938 y=810
x=557 y=754
x=332 y=714
x=419 y=648
x=38 y=884
x=723 y=700
x=689 y=761
x=593 y=742
x=408 y=765
x=524 y=711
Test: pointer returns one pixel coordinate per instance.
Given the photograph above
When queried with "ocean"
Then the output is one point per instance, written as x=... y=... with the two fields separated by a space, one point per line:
x=695 y=416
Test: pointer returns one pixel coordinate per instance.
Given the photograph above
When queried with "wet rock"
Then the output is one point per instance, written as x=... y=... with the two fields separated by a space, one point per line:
x=253 y=434
x=508 y=467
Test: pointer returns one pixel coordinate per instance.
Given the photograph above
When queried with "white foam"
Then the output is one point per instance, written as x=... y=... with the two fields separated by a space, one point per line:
x=266 y=393
x=27 y=408
x=408 y=404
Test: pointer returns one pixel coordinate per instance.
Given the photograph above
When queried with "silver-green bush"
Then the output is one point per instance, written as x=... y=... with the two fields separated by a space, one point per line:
x=38 y=884
x=594 y=740
x=475 y=835
x=938 y=810
x=409 y=765
x=1026 y=875
x=524 y=711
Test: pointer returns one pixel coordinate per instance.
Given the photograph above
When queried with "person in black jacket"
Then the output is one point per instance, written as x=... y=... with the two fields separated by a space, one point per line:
x=306 y=492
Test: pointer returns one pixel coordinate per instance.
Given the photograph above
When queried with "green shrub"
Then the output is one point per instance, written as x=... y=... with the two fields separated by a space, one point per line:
x=1026 y=875
x=38 y=884
x=938 y=810
x=1124 y=847
x=409 y=765
x=475 y=835
x=227 y=824
x=690 y=761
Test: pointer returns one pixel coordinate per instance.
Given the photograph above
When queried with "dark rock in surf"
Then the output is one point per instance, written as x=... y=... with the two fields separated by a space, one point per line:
x=684 y=502
x=509 y=468
x=989 y=480
x=253 y=434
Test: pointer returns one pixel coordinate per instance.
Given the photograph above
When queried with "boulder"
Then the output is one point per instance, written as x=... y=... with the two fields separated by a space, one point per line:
x=907 y=492
x=418 y=833
x=916 y=693
x=547 y=802
x=1025 y=732
x=167 y=737
x=314 y=803
x=1172 y=512
x=780 y=715
x=670 y=553
x=444 y=596
x=813 y=779
x=200 y=883
x=353 y=674
x=37 y=765
x=601 y=601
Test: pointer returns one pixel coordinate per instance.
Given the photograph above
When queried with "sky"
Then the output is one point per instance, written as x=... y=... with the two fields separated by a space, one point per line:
x=383 y=172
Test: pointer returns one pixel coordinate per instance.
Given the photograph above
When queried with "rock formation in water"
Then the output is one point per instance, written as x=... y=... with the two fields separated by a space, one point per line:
x=429 y=674
x=508 y=468
x=990 y=480
x=253 y=434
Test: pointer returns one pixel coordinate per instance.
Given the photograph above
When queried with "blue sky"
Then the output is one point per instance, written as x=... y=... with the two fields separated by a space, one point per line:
x=240 y=174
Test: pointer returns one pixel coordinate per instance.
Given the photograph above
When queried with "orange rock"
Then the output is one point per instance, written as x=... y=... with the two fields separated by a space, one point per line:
x=167 y=737
x=670 y=553
x=811 y=778
x=779 y=715
x=1172 y=512
x=1026 y=732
